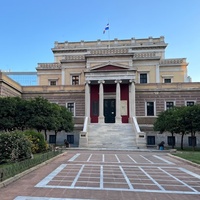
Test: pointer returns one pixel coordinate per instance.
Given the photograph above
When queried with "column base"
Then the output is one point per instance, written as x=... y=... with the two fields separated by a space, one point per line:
x=118 y=120
x=101 y=120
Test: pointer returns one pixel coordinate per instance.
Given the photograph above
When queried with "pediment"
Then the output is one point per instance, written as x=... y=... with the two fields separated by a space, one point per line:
x=109 y=66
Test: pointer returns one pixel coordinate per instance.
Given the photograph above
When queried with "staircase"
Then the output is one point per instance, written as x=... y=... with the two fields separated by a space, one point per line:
x=111 y=136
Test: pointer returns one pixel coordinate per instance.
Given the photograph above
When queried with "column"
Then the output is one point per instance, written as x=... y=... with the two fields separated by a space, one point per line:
x=157 y=74
x=101 y=115
x=63 y=76
x=87 y=99
x=118 y=118
x=131 y=98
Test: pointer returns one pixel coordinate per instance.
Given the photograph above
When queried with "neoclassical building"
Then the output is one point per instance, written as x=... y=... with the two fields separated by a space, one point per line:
x=118 y=83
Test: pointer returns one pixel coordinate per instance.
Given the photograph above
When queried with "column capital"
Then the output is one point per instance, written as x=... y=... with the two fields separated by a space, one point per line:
x=118 y=81
x=101 y=81
x=87 y=82
x=132 y=81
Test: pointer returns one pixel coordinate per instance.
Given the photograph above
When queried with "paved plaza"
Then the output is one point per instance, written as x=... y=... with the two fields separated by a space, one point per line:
x=90 y=174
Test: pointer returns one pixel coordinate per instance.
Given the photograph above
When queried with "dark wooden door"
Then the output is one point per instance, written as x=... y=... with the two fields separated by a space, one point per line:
x=109 y=110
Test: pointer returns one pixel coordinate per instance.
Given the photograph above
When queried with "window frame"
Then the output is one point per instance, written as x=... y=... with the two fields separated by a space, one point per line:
x=154 y=108
x=171 y=139
x=167 y=77
x=74 y=108
x=53 y=80
x=70 y=138
x=147 y=77
x=151 y=138
x=77 y=82
x=52 y=139
x=186 y=102
x=164 y=80
x=174 y=104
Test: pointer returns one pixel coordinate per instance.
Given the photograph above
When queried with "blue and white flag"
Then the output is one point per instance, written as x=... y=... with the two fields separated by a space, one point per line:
x=106 y=28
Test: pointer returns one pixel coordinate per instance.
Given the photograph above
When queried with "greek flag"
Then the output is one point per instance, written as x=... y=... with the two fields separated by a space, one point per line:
x=106 y=28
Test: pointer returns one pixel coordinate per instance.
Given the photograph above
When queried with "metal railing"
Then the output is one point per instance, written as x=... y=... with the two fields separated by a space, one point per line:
x=13 y=169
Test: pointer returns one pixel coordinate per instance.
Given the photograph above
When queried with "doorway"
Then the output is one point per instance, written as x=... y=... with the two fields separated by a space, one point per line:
x=109 y=110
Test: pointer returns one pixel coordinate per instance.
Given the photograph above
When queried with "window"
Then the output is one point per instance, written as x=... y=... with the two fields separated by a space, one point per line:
x=75 y=80
x=70 y=139
x=190 y=141
x=190 y=103
x=52 y=82
x=150 y=108
x=143 y=78
x=151 y=140
x=171 y=140
x=167 y=80
x=52 y=139
x=169 y=105
x=71 y=107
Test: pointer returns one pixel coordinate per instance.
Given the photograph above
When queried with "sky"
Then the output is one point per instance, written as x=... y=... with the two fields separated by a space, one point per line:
x=29 y=28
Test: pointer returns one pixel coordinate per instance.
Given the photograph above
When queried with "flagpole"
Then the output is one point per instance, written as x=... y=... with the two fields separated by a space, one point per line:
x=109 y=37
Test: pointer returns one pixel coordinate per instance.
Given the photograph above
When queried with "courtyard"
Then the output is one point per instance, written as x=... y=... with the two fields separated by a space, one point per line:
x=103 y=174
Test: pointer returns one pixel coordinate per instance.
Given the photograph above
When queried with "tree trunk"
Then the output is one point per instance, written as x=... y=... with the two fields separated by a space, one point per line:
x=173 y=140
x=45 y=135
x=182 y=135
x=55 y=137
x=193 y=141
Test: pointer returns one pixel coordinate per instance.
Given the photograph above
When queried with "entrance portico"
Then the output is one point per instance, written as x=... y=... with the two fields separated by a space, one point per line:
x=109 y=94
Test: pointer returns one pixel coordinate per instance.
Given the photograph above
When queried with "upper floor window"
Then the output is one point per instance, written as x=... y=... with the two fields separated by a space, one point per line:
x=190 y=103
x=53 y=81
x=167 y=80
x=169 y=105
x=71 y=107
x=143 y=78
x=75 y=80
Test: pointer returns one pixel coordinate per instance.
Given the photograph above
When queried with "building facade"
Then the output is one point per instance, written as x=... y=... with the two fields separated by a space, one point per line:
x=116 y=81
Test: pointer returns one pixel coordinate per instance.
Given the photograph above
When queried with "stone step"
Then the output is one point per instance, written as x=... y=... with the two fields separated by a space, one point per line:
x=111 y=136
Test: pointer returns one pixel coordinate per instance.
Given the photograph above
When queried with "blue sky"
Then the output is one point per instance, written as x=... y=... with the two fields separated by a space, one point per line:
x=29 y=28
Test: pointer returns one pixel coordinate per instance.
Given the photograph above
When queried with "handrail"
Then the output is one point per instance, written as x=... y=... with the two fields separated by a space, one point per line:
x=85 y=126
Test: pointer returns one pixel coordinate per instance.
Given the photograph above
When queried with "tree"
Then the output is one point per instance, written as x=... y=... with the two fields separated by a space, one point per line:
x=63 y=120
x=41 y=115
x=8 y=113
x=167 y=121
x=192 y=121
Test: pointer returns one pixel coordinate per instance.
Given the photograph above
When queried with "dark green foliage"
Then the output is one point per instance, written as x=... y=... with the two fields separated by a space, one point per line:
x=14 y=146
x=182 y=120
x=38 y=143
x=37 y=113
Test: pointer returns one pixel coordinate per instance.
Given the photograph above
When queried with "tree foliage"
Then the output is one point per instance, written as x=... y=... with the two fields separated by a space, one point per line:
x=179 y=120
x=37 y=113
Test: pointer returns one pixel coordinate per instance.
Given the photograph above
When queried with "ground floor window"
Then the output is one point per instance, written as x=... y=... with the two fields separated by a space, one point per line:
x=190 y=141
x=70 y=139
x=150 y=140
x=52 y=139
x=171 y=140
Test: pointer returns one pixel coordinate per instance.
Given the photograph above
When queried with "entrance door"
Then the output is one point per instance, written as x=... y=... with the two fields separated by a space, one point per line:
x=109 y=110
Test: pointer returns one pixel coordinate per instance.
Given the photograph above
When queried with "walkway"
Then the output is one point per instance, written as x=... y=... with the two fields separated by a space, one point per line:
x=105 y=175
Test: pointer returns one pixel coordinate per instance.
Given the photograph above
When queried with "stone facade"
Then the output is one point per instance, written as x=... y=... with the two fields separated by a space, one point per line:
x=133 y=74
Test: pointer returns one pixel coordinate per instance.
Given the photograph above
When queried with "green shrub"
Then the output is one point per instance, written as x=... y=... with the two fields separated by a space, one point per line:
x=14 y=146
x=37 y=140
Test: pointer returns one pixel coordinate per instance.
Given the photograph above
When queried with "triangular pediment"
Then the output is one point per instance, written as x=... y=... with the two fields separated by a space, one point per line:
x=109 y=66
